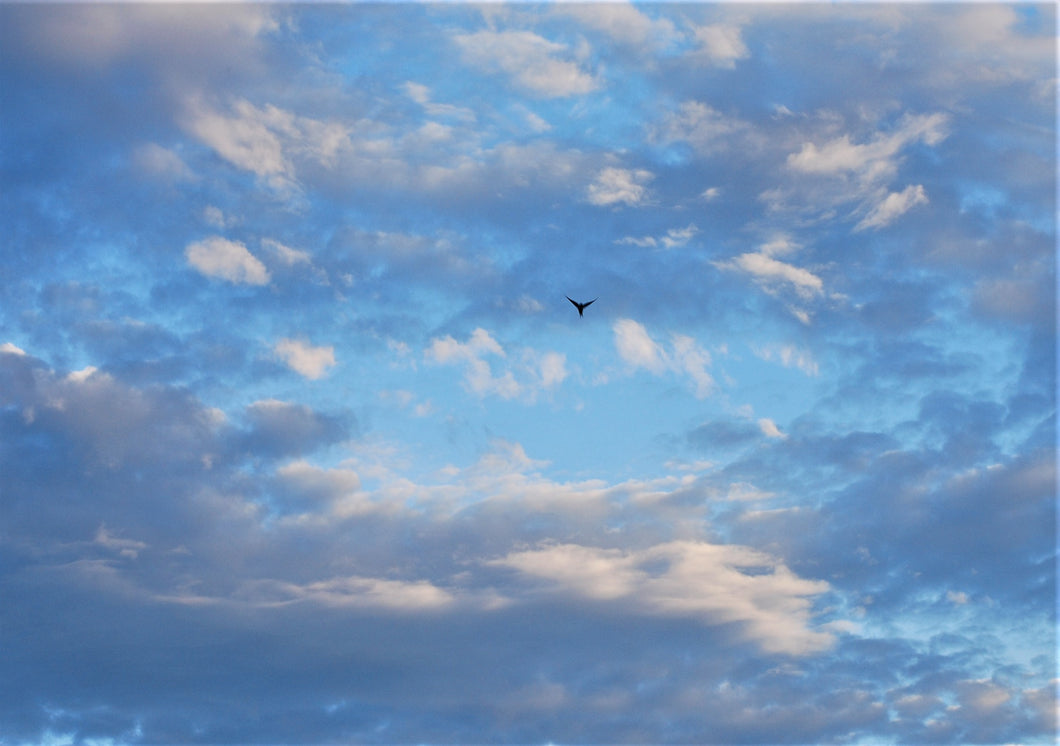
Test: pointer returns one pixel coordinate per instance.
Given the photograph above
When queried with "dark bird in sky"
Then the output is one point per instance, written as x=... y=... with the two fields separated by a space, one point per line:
x=580 y=306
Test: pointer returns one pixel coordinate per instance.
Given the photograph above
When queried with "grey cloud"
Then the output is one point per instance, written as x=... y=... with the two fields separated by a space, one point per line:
x=280 y=428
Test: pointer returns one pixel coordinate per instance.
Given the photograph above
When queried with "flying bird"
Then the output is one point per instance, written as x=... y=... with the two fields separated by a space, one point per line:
x=580 y=306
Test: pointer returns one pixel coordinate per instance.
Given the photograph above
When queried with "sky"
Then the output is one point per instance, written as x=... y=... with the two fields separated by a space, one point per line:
x=302 y=442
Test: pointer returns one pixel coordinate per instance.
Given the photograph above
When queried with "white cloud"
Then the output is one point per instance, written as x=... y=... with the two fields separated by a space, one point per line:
x=636 y=347
x=718 y=584
x=527 y=375
x=266 y=141
x=553 y=369
x=873 y=158
x=892 y=206
x=533 y=62
x=673 y=238
x=624 y=23
x=227 y=260
x=534 y=121
x=721 y=44
x=770 y=429
x=286 y=254
x=305 y=359
x=12 y=349
x=790 y=357
x=405 y=596
x=245 y=140
x=421 y=94
x=768 y=270
x=620 y=186
x=678 y=236
x=689 y=358
x=837 y=170
x=706 y=129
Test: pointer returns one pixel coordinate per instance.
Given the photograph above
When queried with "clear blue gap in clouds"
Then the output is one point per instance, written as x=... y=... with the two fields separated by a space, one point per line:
x=300 y=439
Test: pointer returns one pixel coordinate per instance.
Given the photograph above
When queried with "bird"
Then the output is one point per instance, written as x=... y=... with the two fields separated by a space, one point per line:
x=580 y=306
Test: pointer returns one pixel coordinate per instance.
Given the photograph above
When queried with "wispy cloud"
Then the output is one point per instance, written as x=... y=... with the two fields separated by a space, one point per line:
x=673 y=238
x=774 y=274
x=790 y=356
x=543 y=67
x=683 y=356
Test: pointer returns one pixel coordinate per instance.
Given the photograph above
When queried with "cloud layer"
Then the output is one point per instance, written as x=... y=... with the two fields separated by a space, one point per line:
x=300 y=440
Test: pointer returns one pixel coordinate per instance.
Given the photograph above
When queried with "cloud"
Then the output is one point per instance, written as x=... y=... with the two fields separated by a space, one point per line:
x=636 y=347
x=707 y=130
x=686 y=578
x=771 y=273
x=770 y=429
x=790 y=356
x=128 y=548
x=893 y=206
x=286 y=254
x=625 y=24
x=227 y=260
x=872 y=160
x=162 y=162
x=268 y=142
x=196 y=38
x=721 y=44
x=534 y=63
x=407 y=597
x=673 y=238
x=620 y=186
x=847 y=171
x=529 y=374
x=330 y=493
x=421 y=94
x=305 y=359
x=280 y=428
x=752 y=558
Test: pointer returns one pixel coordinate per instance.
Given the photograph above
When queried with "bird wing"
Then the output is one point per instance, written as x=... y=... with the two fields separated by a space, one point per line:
x=589 y=303
x=571 y=300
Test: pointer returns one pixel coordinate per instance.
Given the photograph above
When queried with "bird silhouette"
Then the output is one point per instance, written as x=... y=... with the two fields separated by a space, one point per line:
x=580 y=306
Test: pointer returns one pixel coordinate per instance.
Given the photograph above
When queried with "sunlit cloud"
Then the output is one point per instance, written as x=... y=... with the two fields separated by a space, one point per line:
x=688 y=578
x=288 y=379
x=305 y=359
x=615 y=186
x=721 y=44
x=683 y=356
x=226 y=260
x=536 y=64
x=525 y=375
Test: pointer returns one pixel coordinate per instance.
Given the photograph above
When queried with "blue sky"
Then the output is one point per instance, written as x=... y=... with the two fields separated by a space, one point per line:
x=302 y=442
